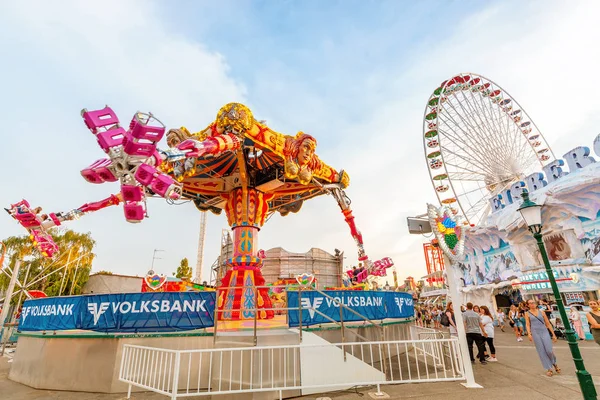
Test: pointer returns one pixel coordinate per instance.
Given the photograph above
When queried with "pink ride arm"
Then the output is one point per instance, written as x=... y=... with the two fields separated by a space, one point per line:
x=377 y=268
x=37 y=224
x=212 y=145
x=113 y=200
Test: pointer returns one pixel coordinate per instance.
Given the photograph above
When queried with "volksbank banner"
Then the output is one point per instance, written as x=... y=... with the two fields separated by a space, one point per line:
x=320 y=309
x=135 y=312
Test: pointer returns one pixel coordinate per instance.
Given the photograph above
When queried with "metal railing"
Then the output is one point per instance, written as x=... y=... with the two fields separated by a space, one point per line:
x=441 y=354
x=186 y=373
x=8 y=336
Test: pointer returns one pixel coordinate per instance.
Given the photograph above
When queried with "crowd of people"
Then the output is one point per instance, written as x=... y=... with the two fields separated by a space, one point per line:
x=530 y=319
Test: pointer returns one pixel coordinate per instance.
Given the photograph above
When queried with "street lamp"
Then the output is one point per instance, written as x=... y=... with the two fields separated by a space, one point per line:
x=532 y=215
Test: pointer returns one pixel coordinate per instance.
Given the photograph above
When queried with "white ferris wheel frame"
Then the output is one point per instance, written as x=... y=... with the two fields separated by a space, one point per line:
x=537 y=147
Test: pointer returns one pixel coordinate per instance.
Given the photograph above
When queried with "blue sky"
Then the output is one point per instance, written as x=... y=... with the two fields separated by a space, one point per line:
x=354 y=74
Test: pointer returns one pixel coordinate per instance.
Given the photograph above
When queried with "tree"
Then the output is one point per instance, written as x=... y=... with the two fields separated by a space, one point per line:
x=184 y=271
x=65 y=274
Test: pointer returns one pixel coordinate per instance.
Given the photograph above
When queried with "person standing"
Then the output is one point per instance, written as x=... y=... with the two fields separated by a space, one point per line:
x=513 y=319
x=538 y=331
x=547 y=308
x=451 y=319
x=522 y=311
x=488 y=325
x=576 y=323
x=475 y=333
x=419 y=317
x=593 y=318
x=501 y=318
x=436 y=320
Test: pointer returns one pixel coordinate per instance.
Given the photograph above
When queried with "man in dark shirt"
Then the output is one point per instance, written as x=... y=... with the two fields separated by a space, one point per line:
x=475 y=333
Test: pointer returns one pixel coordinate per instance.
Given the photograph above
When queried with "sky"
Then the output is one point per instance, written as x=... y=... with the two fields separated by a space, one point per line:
x=354 y=74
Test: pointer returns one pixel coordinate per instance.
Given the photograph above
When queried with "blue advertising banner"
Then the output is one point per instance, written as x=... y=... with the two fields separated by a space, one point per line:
x=320 y=309
x=315 y=306
x=131 y=312
x=51 y=313
x=399 y=305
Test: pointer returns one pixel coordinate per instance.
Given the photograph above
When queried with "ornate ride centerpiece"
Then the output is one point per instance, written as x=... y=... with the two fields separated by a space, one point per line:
x=240 y=165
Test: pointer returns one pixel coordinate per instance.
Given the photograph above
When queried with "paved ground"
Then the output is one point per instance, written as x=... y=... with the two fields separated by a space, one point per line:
x=518 y=373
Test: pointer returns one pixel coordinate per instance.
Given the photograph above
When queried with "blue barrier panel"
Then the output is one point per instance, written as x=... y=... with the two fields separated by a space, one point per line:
x=131 y=312
x=367 y=303
x=399 y=305
x=51 y=313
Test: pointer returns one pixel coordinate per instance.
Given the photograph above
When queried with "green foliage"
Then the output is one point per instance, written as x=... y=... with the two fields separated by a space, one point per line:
x=75 y=255
x=104 y=273
x=184 y=271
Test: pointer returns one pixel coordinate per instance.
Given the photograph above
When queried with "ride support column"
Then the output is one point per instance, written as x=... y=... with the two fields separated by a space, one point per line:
x=246 y=211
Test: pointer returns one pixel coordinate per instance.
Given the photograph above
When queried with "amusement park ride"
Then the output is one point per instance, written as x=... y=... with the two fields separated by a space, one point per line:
x=236 y=164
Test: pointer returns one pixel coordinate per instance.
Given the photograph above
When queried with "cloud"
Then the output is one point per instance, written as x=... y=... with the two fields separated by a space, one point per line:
x=118 y=53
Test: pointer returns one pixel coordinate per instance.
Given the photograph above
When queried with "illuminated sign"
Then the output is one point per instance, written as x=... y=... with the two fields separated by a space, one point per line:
x=574 y=298
x=576 y=159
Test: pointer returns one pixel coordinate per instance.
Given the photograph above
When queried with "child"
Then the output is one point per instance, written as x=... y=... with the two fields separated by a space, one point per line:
x=501 y=317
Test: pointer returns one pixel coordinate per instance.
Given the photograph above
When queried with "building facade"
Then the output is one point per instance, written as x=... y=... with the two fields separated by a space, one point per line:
x=503 y=262
x=102 y=283
x=327 y=268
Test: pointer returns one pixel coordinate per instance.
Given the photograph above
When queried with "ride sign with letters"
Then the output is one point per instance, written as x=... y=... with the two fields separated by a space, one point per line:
x=576 y=159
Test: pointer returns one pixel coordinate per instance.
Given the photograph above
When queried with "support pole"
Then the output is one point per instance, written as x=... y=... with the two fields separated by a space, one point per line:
x=343 y=333
x=255 y=314
x=460 y=325
x=74 y=278
x=23 y=286
x=65 y=272
x=300 y=311
x=9 y=293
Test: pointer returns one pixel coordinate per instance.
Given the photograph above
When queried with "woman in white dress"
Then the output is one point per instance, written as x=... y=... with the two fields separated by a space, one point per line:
x=576 y=323
x=488 y=326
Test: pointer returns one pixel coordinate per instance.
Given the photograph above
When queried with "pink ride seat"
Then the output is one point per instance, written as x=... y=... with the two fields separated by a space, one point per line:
x=145 y=174
x=98 y=172
x=99 y=118
x=134 y=212
x=91 y=176
x=131 y=193
x=28 y=220
x=21 y=203
x=110 y=138
x=133 y=148
x=161 y=184
x=146 y=132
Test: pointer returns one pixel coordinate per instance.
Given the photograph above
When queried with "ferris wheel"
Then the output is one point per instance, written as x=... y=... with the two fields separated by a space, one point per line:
x=478 y=141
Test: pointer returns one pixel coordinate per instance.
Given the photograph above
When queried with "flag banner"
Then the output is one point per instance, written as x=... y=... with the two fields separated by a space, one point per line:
x=320 y=309
x=50 y=314
x=399 y=305
x=127 y=312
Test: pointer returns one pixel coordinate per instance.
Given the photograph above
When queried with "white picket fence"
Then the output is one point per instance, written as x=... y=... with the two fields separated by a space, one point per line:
x=186 y=373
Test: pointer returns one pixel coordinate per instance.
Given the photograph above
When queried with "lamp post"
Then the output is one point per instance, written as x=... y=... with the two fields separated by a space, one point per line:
x=532 y=215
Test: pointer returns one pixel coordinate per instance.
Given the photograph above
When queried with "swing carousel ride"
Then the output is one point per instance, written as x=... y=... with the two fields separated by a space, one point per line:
x=236 y=164
x=478 y=142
